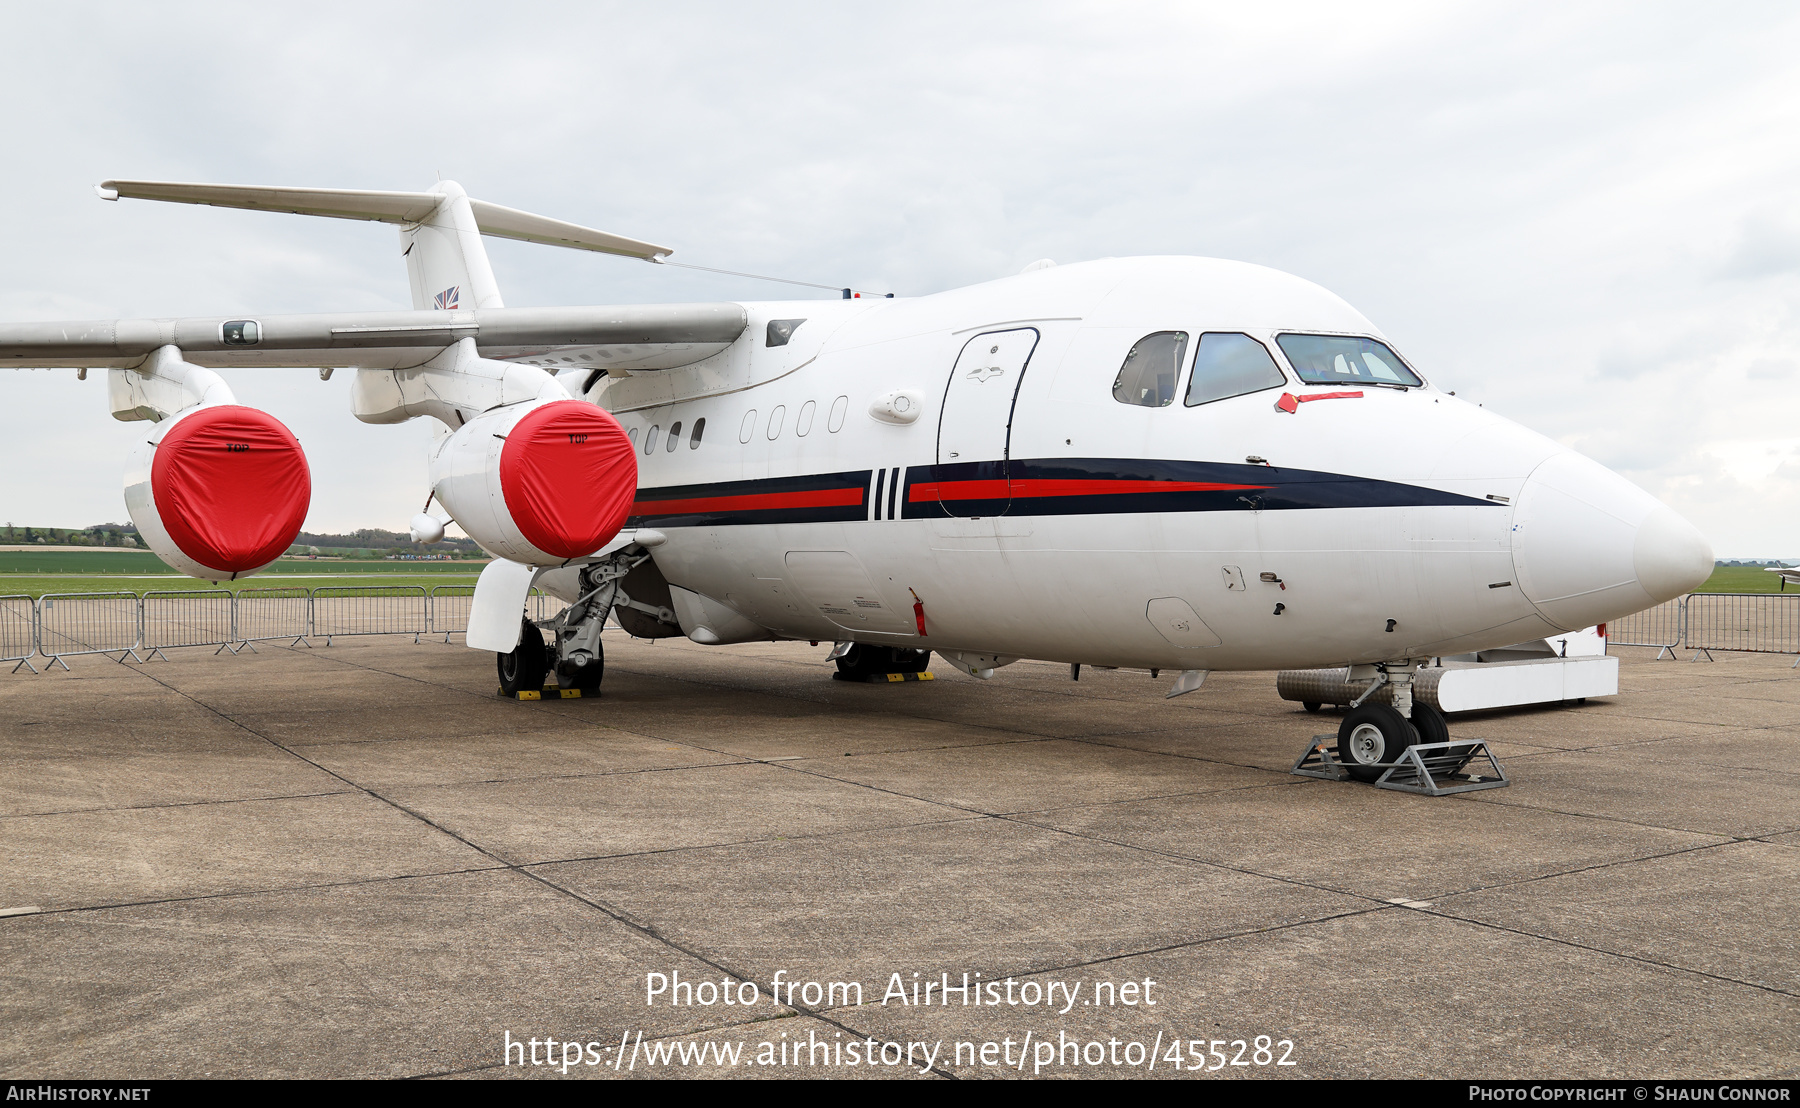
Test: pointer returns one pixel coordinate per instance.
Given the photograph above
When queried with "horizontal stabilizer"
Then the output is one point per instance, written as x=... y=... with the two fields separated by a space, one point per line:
x=404 y=208
x=385 y=207
x=511 y=223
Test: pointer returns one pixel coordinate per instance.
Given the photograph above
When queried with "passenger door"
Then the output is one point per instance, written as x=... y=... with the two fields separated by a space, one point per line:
x=975 y=425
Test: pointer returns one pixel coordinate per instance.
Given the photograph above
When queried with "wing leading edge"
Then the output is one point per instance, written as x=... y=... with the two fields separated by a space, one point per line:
x=628 y=337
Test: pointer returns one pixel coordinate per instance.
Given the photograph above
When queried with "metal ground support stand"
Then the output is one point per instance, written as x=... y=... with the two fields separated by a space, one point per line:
x=1419 y=770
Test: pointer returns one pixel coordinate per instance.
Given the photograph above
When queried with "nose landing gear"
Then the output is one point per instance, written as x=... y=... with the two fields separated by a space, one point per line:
x=1404 y=746
x=1371 y=737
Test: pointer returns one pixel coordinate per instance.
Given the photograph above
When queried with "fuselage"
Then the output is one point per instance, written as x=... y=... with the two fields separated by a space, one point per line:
x=977 y=463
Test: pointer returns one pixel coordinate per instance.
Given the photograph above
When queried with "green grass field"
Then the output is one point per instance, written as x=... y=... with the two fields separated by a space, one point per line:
x=60 y=571
x=1744 y=579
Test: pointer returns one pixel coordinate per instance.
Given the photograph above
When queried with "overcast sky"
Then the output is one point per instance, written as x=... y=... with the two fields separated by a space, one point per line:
x=1585 y=216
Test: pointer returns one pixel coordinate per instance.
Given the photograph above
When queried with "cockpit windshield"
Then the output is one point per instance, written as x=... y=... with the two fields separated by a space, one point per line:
x=1343 y=359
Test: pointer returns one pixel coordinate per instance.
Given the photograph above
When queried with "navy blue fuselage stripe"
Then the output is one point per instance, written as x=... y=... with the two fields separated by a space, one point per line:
x=835 y=498
x=1272 y=489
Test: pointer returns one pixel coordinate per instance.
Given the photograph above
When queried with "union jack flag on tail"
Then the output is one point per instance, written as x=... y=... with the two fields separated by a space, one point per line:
x=447 y=299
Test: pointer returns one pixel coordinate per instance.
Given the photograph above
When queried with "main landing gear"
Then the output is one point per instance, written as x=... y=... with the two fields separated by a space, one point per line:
x=574 y=654
x=862 y=661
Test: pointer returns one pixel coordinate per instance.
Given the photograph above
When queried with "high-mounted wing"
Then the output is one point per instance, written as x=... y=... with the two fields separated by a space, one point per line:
x=639 y=337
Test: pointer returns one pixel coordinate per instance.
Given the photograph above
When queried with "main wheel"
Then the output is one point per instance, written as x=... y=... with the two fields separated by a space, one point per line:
x=584 y=677
x=1372 y=734
x=907 y=660
x=587 y=678
x=523 y=669
x=862 y=661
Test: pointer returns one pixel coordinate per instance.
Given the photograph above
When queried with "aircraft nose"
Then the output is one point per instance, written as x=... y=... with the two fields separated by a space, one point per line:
x=1589 y=546
x=1672 y=557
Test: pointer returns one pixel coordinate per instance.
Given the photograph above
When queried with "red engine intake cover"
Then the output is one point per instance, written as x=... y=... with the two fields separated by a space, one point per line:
x=569 y=475
x=232 y=487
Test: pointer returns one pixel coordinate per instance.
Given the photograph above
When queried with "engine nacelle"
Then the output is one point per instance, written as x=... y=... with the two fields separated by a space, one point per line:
x=219 y=491
x=538 y=483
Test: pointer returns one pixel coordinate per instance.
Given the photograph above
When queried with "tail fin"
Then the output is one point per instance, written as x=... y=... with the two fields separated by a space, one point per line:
x=445 y=261
x=440 y=230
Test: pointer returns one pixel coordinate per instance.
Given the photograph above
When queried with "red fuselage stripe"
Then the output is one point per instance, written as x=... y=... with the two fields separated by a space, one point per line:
x=750 y=502
x=1036 y=487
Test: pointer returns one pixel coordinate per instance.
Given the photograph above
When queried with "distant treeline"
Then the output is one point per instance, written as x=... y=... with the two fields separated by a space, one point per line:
x=100 y=534
x=373 y=542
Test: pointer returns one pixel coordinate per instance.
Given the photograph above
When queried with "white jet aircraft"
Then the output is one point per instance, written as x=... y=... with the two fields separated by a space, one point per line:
x=1161 y=463
x=1790 y=575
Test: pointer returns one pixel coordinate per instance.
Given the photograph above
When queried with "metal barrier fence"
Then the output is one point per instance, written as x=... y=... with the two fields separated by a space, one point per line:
x=448 y=611
x=369 y=610
x=276 y=613
x=1758 y=623
x=18 y=631
x=188 y=618
x=58 y=625
x=89 y=623
x=545 y=606
x=1661 y=627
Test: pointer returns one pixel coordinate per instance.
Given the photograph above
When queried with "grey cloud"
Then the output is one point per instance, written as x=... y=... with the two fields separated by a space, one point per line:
x=1766 y=246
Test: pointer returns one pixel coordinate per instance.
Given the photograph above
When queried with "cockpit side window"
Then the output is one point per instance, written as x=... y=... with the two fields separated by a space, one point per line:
x=1346 y=360
x=1151 y=369
x=1229 y=364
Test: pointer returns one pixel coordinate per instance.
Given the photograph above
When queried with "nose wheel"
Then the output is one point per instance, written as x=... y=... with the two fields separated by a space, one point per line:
x=1372 y=734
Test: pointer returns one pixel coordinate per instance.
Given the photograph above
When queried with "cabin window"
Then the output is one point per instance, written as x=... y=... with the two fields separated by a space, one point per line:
x=674 y=437
x=776 y=419
x=632 y=436
x=1151 y=369
x=748 y=427
x=803 y=422
x=1227 y=364
x=240 y=332
x=694 y=439
x=838 y=408
x=650 y=439
x=1345 y=360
